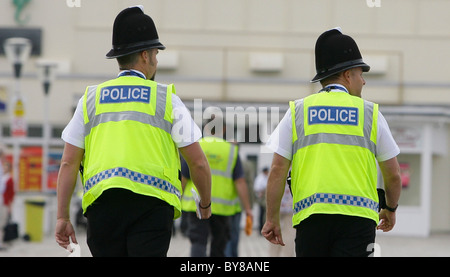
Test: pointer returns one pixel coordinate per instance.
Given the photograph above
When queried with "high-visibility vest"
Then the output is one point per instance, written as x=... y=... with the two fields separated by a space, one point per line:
x=222 y=157
x=333 y=166
x=128 y=143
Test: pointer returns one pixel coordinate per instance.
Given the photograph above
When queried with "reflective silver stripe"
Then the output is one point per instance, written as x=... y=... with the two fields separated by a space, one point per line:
x=230 y=159
x=339 y=199
x=216 y=200
x=188 y=198
x=299 y=121
x=156 y=120
x=303 y=141
x=334 y=138
x=220 y=173
x=128 y=115
x=161 y=98
x=90 y=102
x=225 y=201
x=228 y=173
x=133 y=176
x=368 y=118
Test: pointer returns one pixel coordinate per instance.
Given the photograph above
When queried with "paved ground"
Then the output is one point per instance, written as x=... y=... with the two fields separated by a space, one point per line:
x=437 y=245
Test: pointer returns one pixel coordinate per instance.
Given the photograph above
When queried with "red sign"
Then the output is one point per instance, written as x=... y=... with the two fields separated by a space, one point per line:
x=30 y=169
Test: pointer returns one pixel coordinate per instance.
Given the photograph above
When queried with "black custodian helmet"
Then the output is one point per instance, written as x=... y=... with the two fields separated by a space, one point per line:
x=336 y=52
x=133 y=31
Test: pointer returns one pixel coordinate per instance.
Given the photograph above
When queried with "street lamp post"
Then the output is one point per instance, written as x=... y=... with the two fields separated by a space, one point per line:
x=17 y=51
x=46 y=75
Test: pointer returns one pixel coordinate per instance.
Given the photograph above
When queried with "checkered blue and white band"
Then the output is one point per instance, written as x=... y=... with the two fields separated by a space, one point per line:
x=331 y=198
x=133 y=176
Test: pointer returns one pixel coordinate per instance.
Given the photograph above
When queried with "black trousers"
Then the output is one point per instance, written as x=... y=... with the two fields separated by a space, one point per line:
x=122 y=223
x=334 y=235
x=216 y=227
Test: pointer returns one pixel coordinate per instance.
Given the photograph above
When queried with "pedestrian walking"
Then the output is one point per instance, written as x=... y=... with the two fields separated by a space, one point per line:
x=8 y=231
x=228 y=187
x=259 y=188
x=288 y=250
x=333 y=139
x=123 y=136
x=3 y=207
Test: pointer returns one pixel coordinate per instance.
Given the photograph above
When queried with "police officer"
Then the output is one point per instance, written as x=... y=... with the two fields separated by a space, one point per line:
x=121 y=134
x=228 y=191
x=333 y=139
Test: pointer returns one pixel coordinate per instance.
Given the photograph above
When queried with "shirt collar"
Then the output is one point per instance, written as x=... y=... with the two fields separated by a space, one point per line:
x=335 y=87
x=131 y=72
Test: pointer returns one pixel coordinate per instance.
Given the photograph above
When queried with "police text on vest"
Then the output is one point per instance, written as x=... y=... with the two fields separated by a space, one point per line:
x=333 y=115
x=123 y=94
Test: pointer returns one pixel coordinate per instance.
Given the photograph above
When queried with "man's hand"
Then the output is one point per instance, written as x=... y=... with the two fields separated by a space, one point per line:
x=274 y=192
x=393 y=186
x=67 y=179
x=64 y=231
x=272 y=233
x=387 y=220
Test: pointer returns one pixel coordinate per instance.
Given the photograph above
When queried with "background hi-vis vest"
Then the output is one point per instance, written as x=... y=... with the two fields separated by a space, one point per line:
x=222 y=157
x=128 y=143
x=334 y=167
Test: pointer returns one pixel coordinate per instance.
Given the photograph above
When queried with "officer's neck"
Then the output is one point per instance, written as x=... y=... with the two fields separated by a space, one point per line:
x=132 y=72
x=142 y=69
x=335 y=86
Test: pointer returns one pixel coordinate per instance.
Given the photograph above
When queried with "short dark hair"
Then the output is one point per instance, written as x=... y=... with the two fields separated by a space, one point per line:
x=331 y=79
x=127 y=61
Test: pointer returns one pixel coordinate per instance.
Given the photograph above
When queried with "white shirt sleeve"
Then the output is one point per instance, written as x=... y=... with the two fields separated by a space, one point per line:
x=184 y=130
x=280 y=141
x=74 y=131
x=387 y=148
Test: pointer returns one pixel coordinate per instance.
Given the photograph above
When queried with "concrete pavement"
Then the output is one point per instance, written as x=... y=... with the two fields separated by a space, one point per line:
x=437 y=245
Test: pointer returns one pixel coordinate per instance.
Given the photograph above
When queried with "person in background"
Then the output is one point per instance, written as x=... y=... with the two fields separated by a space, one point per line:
x=7 y=180
x=286 y=225
x=6 y=195
x=3 y=208
x=232 y=248
x=227 y=188
x=259 y=188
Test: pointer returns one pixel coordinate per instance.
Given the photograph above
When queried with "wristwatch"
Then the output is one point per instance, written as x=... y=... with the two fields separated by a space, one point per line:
x=391 y=209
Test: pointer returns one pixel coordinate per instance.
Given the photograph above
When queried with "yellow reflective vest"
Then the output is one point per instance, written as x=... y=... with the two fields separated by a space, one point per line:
x=128 y=143
x=333 y=166
x=222 y=157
